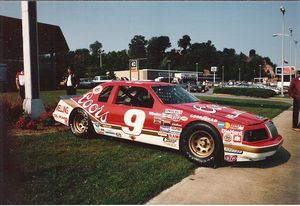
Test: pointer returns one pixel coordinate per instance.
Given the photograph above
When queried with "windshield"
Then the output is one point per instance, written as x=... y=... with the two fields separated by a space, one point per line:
x=174 y=95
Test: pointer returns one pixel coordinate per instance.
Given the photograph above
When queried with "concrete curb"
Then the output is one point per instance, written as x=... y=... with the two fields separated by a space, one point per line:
x=272 y=181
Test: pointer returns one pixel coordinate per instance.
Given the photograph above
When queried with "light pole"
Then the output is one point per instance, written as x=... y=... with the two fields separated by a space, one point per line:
x=197 y=73
x=100 y=58
x=290 y=63
x=169 y=69
x=296 y=42
x=282 y=9
x=259 y=72
x=223 y=74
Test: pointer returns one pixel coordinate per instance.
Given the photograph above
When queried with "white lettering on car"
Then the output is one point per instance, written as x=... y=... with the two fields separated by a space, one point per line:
x=137 y=124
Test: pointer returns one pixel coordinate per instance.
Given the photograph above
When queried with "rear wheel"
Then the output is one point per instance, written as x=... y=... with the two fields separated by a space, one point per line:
x=202 y=144
x=81 y=125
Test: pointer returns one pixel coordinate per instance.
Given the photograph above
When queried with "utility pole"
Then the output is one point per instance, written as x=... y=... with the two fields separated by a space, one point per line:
x=282 y=9
x=197 y=73
x=239 y=74
x=100 y=58
x=290 y=63
x=296 y=42
x=169 y=69
x=32 y=104
x=259 y=72
x=223 y=74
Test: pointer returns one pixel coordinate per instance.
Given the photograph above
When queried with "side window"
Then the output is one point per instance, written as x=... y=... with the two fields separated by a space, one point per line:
x=134 y=96
x=103 y=97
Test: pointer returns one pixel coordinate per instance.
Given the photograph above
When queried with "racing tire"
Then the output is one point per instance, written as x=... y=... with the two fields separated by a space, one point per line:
x=81 y=125
x=202 y=144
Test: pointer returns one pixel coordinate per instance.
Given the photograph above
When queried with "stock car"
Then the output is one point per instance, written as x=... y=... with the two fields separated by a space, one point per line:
x=167 y=115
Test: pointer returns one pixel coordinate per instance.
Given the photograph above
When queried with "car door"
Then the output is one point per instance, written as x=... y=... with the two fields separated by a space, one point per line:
x=130 y=111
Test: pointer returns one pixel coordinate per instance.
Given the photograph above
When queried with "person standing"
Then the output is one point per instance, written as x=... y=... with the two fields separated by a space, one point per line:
x=20 y=84
x=294 y=91
x=72 y=82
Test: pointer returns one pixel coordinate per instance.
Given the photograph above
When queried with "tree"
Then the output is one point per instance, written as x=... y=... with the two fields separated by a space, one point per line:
x=252 y=53
x=156 y=50
x=184 y=42
x=205 y=54
x=137 y=47
x=94 y=48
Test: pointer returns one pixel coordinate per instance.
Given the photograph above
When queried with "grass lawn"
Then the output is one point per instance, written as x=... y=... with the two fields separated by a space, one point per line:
x=61 y=169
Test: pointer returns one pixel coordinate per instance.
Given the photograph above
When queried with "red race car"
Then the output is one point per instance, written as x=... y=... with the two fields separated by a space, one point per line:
x=167 y=115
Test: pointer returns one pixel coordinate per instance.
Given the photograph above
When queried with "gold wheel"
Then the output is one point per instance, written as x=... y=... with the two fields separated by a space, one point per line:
x=201 y=144
x=80 y=122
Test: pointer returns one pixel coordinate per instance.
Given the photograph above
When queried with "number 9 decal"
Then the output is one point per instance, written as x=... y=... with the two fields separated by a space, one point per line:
x=137 y=124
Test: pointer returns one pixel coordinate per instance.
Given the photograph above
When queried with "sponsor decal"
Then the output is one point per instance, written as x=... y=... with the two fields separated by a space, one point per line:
x=165 y=128
x=166 y=122
x=237 y=138
x=171 y=140
x=62 y=118
x=237 y=127
x=98 y=89
x=176 y=124
x=225 y=125
x=118 y=134
x=176 y=117
x=106 y=125
x=167 y=116
x=229 y=150
x=154 y=114
x=205 y=109
x=109 y=132
x=184 y=118
x=163 y=134
x=94 y=109
x=174 y=136
x=175 y=130
x=63 y=109
x=234 y=114
x=230 y=158
x=227 y=137
x=204 y=118
x=173 y=111
x=232 y=132
x=98 y=128
x=213 y=108
x=157 y=120
x=132 y=137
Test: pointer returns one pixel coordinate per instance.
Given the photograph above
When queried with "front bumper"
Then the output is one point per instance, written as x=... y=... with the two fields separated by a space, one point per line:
x=254 y=152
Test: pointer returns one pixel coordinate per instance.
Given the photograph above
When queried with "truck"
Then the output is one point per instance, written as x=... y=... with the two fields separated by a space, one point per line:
x=101 y=79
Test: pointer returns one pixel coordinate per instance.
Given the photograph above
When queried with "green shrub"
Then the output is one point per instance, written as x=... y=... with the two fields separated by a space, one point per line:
x=251 y=92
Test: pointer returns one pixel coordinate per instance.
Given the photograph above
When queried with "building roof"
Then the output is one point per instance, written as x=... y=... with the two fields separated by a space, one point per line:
x=50 y=38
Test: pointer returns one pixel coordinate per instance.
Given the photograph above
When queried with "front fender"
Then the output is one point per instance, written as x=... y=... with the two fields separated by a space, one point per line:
x=63 y=110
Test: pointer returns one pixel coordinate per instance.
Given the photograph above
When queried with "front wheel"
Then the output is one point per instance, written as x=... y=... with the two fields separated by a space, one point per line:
x=201 y=143
x=81 y=125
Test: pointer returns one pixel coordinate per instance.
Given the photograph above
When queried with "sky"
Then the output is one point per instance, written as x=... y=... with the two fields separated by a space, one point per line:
x=239 y=25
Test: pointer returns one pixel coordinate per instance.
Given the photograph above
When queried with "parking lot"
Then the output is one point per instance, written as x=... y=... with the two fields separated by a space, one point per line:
x=272 y=181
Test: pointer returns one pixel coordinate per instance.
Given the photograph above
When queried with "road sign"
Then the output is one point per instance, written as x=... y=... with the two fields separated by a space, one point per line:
x=287 y=70
x=213 y=69
x=133 y=65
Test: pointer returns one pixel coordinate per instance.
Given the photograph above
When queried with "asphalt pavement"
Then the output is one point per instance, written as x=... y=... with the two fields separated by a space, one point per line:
x=210 y=93
x=272 y=181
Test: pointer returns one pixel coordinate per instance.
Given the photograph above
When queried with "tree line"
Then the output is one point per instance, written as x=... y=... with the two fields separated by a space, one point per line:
x=184 y=57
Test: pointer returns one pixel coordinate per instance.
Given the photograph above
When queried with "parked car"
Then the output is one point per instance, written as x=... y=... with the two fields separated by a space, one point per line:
x=86 y=83
x=101 y=79
x=166 y=115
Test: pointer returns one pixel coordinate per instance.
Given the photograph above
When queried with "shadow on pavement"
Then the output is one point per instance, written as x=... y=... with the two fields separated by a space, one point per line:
x=281 y=157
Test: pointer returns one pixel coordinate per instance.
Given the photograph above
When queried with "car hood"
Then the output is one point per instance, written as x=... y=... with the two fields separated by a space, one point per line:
x=220 y=112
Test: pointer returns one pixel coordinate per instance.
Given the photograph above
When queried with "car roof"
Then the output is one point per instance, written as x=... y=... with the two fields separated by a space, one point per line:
x=136 y=83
